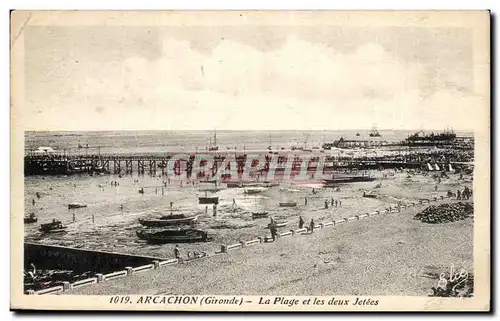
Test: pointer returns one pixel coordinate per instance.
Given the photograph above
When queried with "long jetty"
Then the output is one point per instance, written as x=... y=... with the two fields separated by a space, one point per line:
x=56 y=164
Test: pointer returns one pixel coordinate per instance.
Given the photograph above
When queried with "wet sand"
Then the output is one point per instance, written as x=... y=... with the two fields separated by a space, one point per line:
x=115 y=230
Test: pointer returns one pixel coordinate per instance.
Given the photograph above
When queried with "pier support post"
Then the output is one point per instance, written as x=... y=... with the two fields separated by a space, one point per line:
x=261 y=239
x=156 y=264
x=99 y=277
x=293 y=232
x=66 y=286
x=130 y=270
x=223 y=248
x=243 y=243
x=320 y=225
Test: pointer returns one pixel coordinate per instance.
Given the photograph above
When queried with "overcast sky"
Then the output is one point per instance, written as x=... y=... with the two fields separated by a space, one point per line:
x=247 y=77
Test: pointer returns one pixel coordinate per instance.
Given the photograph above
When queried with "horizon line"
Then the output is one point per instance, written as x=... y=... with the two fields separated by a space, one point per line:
x=247 y=130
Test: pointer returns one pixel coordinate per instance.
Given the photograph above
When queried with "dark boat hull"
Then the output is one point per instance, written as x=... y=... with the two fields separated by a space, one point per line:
x=71 y=206
x=168 y=222
x=260 y=215
x=348 y=179
x=28 y=220
x=56 y=231
x=288 y=204
x=208 y=200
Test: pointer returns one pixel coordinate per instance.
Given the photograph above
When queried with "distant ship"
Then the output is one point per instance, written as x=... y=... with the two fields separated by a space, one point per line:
x=446 y=136
x=213 y=147
x=357 y=134
x=374 y=132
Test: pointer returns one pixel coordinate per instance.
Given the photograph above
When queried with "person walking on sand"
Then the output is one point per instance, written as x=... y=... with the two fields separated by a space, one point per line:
x=326 y=204
x=458 y=195
x=177 y=252
x=305 y=200
x=274 y=231
x=332 y=202
x=311 y=226
x=301 y=222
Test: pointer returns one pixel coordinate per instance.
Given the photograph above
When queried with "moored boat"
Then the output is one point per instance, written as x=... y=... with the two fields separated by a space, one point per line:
x=256 y=215
x=254 y=190
x=208 y=200
x=53 y=227
x=342 y=179
x=288 y=204
x=76 y=205
x=173 y=235
x=30 y=219
x=169 y=220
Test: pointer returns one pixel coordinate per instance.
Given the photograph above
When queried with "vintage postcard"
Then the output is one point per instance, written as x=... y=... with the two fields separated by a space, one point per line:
x=250 y=160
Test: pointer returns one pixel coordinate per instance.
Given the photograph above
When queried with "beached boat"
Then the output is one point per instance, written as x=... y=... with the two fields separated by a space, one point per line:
x=53 y=227
x=256 y=215
x=30 y=219
x=254 y=190
x=342 y=179
x=288 y=204
x=208 y=200
x=369 y=194
x=76 y=205
x=173 y=235
x=169 y=220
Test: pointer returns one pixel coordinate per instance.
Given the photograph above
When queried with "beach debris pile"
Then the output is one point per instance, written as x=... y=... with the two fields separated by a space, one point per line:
x=445 y=213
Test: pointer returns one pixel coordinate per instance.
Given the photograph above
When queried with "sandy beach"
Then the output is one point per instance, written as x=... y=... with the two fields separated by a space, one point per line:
x=388 y=254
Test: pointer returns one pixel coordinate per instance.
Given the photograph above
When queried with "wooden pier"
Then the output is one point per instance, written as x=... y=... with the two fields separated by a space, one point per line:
x=157 y=164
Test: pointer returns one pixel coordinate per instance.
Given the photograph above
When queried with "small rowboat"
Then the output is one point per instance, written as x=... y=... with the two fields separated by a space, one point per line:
x=369 y=194
x=53 y=227
x=76 y=205
x=250 y=191
x=208 y=200
x=288 y=204
x=173 y=235
x=256 y=215
x=28 y=220
x=169 y=221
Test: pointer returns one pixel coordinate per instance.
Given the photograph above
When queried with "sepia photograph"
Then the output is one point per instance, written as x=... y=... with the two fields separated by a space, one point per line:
x=250 y=160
